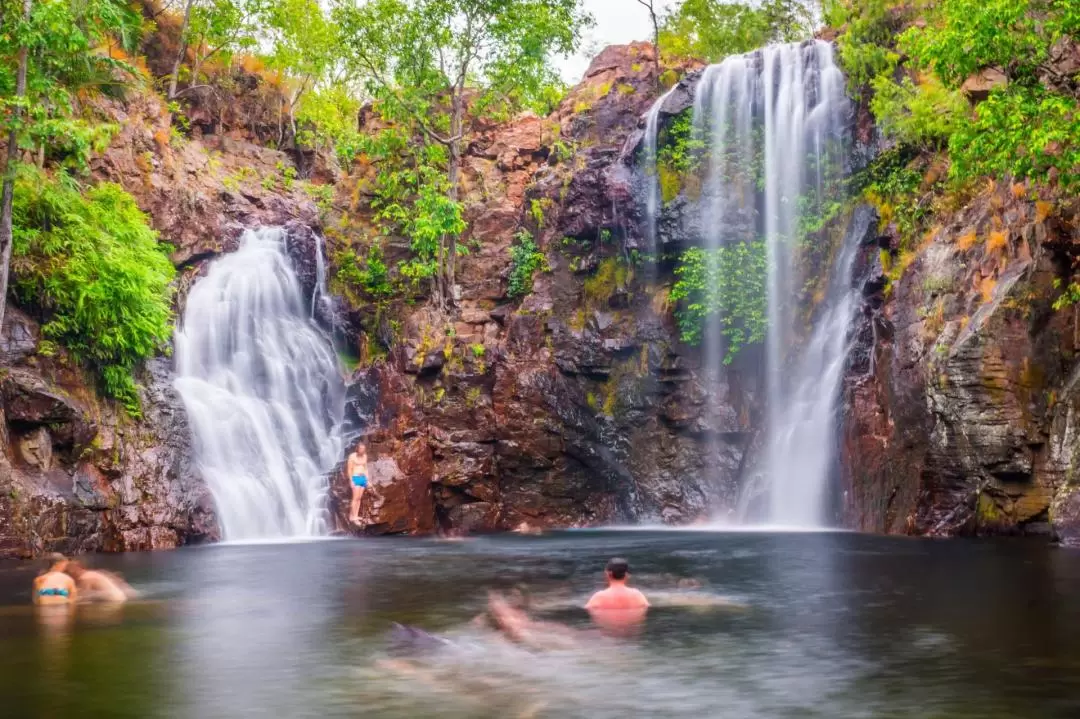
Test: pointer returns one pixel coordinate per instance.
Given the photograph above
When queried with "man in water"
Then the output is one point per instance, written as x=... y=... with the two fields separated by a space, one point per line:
x=53 y=586
x=356 y=468
x=99 y=586
x=618 y=607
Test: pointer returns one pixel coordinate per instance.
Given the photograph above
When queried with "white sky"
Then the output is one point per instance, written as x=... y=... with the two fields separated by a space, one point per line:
x=617 y=22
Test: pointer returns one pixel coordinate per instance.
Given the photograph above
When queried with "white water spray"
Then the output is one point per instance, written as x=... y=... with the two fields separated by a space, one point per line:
x=263 y=392
x=652 y=175
x=774 y=120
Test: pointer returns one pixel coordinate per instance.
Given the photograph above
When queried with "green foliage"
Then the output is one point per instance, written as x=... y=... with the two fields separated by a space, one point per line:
x=64 y=65
x=89 y=262
x=1023 y=132
x=371 y=274
x=433 y=66
x=680 y=147
x=866 y=46
x=965 y=36
x=923 y=115
x=526 y=260
x=611 y=274
x=680 y=152
x=411 y=198
x=728 y=283
x=477 y=350
x=712 y=29
x=1068 y=297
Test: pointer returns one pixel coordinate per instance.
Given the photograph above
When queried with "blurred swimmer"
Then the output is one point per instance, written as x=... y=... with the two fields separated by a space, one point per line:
x=99 y=585
x=53 y=586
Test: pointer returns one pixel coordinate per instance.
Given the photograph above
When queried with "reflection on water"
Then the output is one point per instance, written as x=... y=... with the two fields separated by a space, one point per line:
x=742 y=625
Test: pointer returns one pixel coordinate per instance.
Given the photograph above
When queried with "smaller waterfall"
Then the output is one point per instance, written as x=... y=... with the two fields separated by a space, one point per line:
x=263 y=392
x=650 y=147
x=774 y=123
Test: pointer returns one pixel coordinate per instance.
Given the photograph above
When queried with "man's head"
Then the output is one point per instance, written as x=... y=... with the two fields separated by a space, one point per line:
x=360 y=448
x=617 y=570
x=74 y=570
x=56 y=562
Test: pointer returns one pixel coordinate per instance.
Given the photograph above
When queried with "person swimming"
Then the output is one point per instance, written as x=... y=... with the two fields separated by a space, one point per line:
x=53 y=586
x=618 y=607
x=99 y=585
x=357 y=469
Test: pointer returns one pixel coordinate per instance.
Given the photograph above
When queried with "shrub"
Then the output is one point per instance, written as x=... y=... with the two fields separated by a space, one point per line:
x=1020 y=132
x=729 y=283
x=91 y=264
x=525 y=260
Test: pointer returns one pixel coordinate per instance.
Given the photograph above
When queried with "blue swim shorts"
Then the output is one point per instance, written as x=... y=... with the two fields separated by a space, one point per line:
x=360 y=480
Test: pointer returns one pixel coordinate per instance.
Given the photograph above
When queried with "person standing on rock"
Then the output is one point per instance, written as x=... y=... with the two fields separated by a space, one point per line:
x=53 y=586
x=356 y=468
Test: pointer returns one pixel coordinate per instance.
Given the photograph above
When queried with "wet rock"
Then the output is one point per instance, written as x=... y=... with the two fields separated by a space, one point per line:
x=35 y=449
x=978 y=86
x=958 y=403
x=31 y=401
x=399 y=499
x=19 y=338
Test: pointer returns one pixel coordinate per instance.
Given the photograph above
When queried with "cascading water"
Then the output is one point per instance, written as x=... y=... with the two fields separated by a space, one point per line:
x=650 y=148
x=774 y=122
x=263 y=392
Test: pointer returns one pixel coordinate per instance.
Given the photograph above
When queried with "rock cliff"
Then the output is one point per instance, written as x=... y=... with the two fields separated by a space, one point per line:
x=574 y=404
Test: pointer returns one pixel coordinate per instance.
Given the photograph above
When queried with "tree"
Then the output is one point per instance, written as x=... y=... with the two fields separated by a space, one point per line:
x=9 y=165
x=50 y=54
x=648 y=5
x=211 y=29
x=303 y=46
x=435 y=65
x=714 y=29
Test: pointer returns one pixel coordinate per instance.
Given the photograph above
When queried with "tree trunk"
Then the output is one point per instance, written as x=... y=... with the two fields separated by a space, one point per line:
x=454 y=171
x=175 y=77
x=8 y=195
x=648 y=4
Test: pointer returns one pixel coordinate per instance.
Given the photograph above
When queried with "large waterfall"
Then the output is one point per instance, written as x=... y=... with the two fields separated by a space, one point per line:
x=773 y=123
x=263 y=392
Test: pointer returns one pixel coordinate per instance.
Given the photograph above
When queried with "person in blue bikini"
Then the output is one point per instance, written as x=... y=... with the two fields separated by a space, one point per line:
x=53 y=586
x=357 y=470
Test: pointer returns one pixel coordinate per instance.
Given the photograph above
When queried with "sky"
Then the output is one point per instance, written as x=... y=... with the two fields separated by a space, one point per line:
x=617 y=22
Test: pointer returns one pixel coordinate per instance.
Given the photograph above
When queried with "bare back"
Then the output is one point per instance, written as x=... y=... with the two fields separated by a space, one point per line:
x=54 y=588
x=618 y=597
x=102 y=587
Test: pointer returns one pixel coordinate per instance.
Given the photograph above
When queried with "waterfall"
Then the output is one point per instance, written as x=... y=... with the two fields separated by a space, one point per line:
x=650 y=146
x=263 y=392
x=774 y=122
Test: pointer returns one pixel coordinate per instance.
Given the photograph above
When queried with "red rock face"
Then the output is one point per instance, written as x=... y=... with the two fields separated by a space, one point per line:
x=75 y=476
x=568 y=406
x=965 y=424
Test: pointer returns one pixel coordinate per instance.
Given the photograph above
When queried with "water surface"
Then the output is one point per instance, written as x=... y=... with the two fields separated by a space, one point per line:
x=783 y=625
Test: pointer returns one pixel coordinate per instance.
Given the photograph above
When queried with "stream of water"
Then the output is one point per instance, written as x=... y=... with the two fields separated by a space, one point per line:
x=774 y=123
x=828 y=625
x=263 y=392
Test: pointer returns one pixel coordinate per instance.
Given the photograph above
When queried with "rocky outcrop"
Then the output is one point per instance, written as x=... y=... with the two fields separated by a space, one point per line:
x=199 y=191
x=75 y=474
x=962 y=422
x=575 y=405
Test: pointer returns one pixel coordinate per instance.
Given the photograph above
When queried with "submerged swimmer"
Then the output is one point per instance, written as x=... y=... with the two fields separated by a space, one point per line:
x=99 y=585
x=53 y=586
x=619 y=606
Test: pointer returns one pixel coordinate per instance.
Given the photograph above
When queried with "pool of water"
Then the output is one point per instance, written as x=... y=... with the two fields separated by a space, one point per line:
x=782 y=625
